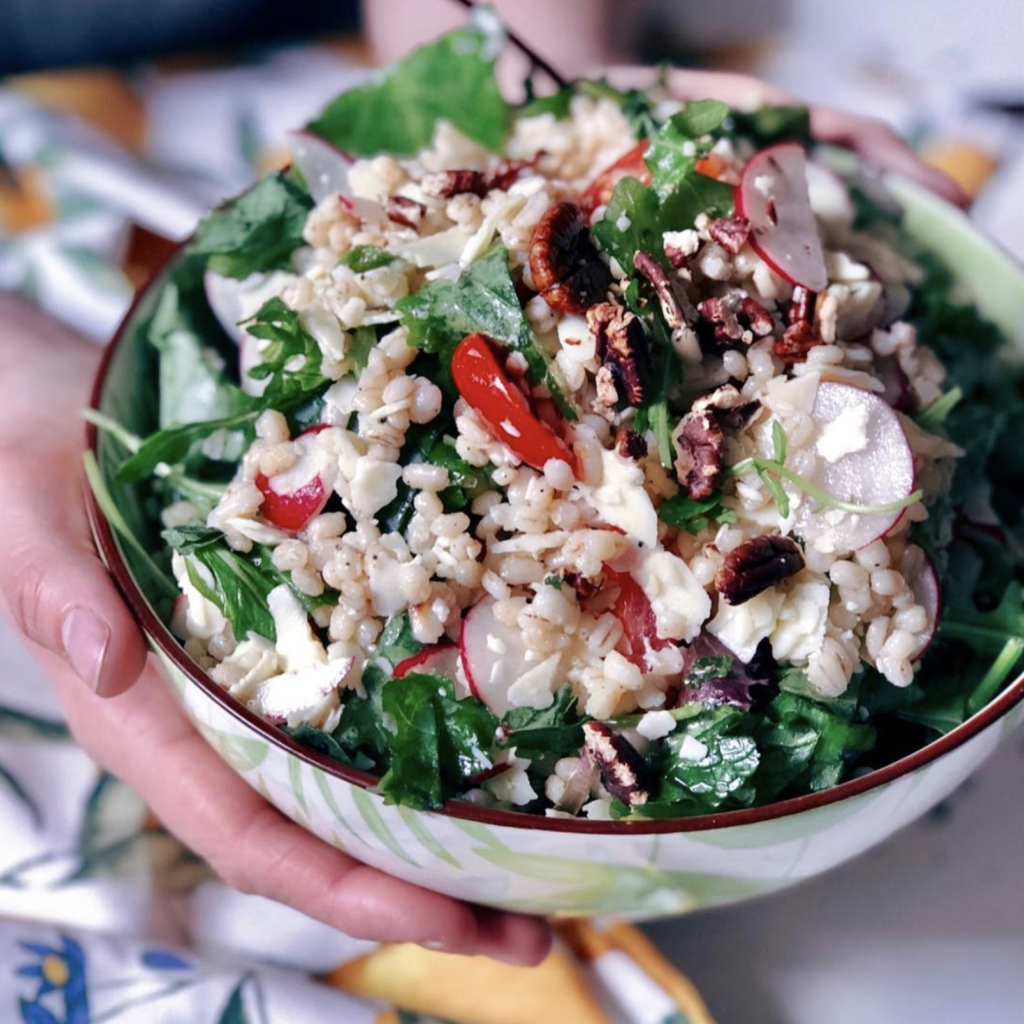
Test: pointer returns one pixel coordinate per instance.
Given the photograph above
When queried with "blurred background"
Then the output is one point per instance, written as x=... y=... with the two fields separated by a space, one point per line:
x=121 y=122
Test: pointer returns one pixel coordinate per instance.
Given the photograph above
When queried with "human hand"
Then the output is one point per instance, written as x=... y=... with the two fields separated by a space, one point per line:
x=58 y=594
x=874 y=140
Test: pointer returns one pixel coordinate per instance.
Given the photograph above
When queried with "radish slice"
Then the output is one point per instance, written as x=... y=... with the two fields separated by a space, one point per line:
x=325 y=170
x=493 y=656
x=862 y=456
x=434 y=659
x=298 y=694
x=772 y=195
x=292 y=498
x=923 y=577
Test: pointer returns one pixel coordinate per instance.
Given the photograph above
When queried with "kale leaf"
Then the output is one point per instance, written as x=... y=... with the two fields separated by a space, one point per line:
x=258 y=231
x=397 y=110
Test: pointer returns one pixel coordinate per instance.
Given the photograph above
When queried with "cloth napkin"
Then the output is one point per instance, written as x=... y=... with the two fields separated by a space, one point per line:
x=103 y=915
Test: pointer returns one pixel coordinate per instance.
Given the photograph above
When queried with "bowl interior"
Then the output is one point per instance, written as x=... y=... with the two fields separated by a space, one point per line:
x=126 y=389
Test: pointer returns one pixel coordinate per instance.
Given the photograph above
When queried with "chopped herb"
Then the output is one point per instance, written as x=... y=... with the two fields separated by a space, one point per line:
x=553 y=581
x=363 y=258
x=552 y=732
x=705 y=669
x=694 y=515
x=937 y=412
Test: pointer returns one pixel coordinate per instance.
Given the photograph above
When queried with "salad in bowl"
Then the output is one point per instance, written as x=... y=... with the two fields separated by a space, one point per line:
x=603 y=456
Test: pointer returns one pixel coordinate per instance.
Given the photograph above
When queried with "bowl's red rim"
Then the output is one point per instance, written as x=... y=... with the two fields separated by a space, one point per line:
x=159 y=634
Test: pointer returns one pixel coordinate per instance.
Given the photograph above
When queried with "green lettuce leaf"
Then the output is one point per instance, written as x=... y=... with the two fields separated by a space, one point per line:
x=552 y=732
x=397 y=110
x=258 y=231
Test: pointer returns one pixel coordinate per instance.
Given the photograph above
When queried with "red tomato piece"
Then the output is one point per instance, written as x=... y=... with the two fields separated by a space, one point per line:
x=484 y=385
x=639 y=623
x=629 y=165
x=292 y=510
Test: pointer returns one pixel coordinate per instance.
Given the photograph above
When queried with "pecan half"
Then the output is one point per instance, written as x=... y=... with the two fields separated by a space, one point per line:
x=756 y=565
x=445 y=184
x=621 y=346
x=564 y=261
x=405 y=211
x=622 y=768
x=801 y=306
x=508 y=172
x=731 y=233
x=630 y=445
x=699 y=440
x=796 y=342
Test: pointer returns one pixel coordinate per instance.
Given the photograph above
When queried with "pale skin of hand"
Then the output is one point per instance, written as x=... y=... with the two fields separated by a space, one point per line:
x=56 y=591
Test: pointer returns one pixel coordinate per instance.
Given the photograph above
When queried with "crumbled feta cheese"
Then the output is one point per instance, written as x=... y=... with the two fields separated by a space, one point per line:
x=386 y=591
x=741 y=627
x=686 y=242
x=621 y=499
x=623 y=223
x=844 y=435
x=512 y=786
x=680 y=603
x=374 y=484
x=691 y=749
x=785 y=397
x=202 y=617
x=800 y=627
x=656 y=724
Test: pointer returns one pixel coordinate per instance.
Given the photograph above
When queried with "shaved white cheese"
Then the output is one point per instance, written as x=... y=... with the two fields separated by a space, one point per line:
x=620 y=498
x=846 y=434
x=432 y=250
x=385 y=578
x=374 y=484
x=680 y=603
x=256 y=658
x=297 y=647
x=482 y=237
x=339 y=402
x=303 y=696
x=785 y=397
x=324 y=328
x=534 y=688
x=529 y=543
x=512 y=786
x=256 y=289
x=202 y=617
x=800 y=626
x=741 y=627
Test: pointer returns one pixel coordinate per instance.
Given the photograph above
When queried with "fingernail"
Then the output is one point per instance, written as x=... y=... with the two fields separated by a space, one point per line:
x=86 y=638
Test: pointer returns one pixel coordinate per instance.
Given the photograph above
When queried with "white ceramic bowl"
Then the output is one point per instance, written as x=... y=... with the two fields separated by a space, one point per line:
x=536 y=864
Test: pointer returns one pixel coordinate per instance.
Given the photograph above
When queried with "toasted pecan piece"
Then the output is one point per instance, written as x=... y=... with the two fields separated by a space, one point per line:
x=622 y=348
x=622 y=768
x=445 y=184
x=564 y=262
x=796 y=342
x=731 y=233
x=699 y=441
x=756 y=565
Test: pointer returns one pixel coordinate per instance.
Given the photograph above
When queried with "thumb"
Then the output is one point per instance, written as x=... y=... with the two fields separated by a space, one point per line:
x=59 y=595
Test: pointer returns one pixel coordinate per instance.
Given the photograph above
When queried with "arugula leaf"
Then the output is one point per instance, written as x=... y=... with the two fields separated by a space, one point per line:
x=694 y=515
x=439 y=742
x=557 y=103
x=768 y=125
x=632 y=221
x=258 y=231
x=186 y=540
x=360 y=731
x=675 y=148
x=326 y=744
x=710 y=759
x=363 y=340
x=464 y=480
x=397 y=110
x=705 y=669
x=396 y=642
x=420 y=440
x=173 y=444
x=363 y=258
x=290 y=343
x=482 y=300
x=552 y=732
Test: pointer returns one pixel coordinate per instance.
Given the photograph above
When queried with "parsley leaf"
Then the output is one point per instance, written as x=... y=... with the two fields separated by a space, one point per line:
x=674 y=149
x=363 y=258
x=464 y=480
x=397 y=110
x=694 y=515
x=257 y=231
x=482 y=300
x=292 y=360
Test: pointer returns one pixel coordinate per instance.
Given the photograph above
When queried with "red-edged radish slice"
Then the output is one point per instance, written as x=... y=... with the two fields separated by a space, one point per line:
x=923 y=577
x=292 y=498
x=434 y=659
x=325 y=170
x=862 y=457
x=772 y=195
x=298 y=694
x=493 y=656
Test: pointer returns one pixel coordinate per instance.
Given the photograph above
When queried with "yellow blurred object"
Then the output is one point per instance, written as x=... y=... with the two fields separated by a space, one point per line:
x=471 y=990
x=24 y=204
x=968 y=165
x=100 y=97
